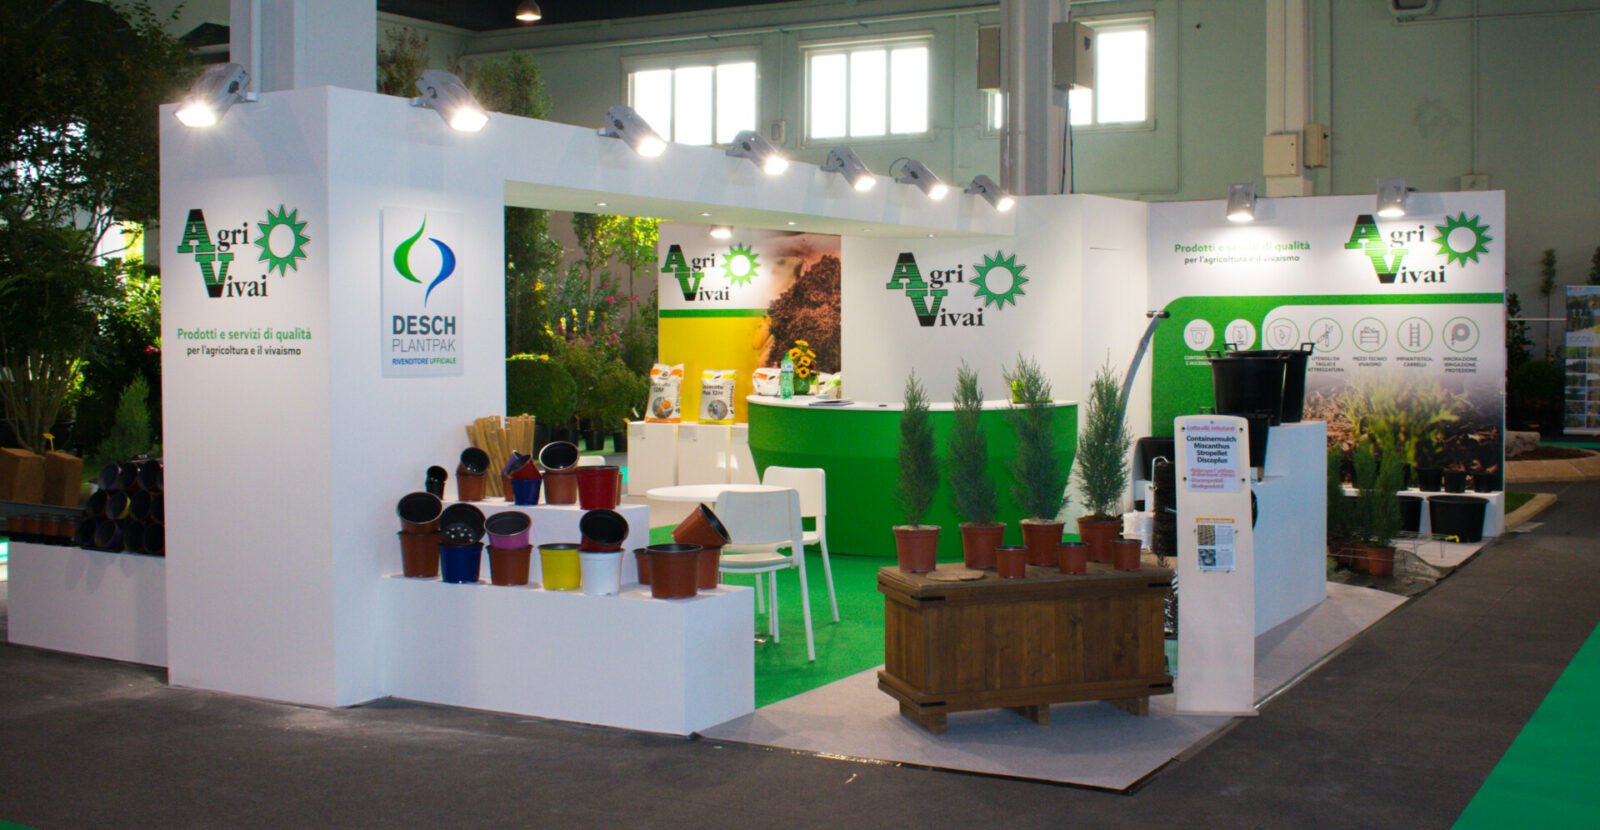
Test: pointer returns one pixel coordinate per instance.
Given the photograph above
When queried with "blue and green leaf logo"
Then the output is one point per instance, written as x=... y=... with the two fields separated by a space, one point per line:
x=402 y=260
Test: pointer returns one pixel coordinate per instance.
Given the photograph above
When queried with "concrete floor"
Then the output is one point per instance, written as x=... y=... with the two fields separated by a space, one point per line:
x=1397 y=731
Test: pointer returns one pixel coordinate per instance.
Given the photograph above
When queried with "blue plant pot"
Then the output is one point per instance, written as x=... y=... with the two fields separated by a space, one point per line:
x=525 y=491
x=459 y=563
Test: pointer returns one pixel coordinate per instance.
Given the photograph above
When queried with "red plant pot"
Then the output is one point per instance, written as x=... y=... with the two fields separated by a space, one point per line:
x=978 y=540
x=916 y=548
x=1097 y=534
x=597 y=487
x=1011 y=561
x=1042 y=538
x=1125 y=554
x=1074 y=557
x=674 y=570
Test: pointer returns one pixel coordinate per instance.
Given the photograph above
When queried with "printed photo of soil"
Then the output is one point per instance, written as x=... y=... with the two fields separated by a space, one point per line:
x=808 y=308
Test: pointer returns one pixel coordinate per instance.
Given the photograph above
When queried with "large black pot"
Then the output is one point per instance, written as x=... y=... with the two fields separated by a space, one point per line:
x=1293 y=406
x=1458 y=516
x=1249 y=384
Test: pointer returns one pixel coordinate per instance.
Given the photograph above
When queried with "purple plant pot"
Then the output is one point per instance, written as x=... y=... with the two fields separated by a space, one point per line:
x=508 y=529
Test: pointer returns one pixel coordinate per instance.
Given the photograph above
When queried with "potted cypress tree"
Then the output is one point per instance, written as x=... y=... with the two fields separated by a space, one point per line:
x=1377 y=512
x=1103 y=463
x=970 y=488
x=1039 y=485
x=916 y=544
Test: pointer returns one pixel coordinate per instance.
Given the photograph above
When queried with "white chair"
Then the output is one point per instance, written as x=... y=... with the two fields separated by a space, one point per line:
x=812 y=483
x=591 y=461
x=761 y=527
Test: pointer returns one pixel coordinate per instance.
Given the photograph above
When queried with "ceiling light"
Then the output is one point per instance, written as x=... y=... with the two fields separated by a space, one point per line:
x=721 y=232
x=917 y=173
x=1242 y=202
x=529 y=12
x=793 y=223
x=845 y=162
x=444 y=93
x=1392 y=197
x=991 y=192
x=599 y=204
x=626 y=124
x=751 y=145
x=219 y=88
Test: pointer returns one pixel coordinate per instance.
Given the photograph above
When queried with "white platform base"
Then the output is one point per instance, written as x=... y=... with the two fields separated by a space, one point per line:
x=630 y=661
x=1494 y=513
x=111 y=605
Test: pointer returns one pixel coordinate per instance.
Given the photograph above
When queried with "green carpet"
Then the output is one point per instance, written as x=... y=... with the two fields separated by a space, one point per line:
x=852 y=645
x=1515 y=500
x=1582 y=445
x=1548 y=776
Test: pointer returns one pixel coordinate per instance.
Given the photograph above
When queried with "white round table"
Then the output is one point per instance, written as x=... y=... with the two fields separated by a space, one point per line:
x=706 y=493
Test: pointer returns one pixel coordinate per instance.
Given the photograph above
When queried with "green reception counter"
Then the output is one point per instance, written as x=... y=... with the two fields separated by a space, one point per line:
x=857 y=444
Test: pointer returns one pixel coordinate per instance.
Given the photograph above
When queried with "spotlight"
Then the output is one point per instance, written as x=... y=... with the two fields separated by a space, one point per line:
x=529 y=12
x=917 y=173
x=721 y=232
x=751 y=145
x=1242 y=202
x=219 y=87
x=444 y=93
x=1392 y=197
x=628 y=126
x=845 y=162
x=991 y=192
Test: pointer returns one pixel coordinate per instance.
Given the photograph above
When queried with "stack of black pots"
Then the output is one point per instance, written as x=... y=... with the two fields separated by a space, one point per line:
x=127 y=514
x=1266 y=387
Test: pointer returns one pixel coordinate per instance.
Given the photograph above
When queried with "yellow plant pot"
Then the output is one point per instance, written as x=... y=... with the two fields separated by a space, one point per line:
x=559 y=566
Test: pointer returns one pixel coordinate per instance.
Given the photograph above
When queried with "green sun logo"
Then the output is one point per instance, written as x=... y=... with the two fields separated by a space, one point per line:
x=740 y=265
x=1450 y=251
x=282 y=219
x=999 y=280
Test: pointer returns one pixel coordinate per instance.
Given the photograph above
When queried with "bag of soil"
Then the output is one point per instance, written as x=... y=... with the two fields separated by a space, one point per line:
x=716 y=396
x=666 y=384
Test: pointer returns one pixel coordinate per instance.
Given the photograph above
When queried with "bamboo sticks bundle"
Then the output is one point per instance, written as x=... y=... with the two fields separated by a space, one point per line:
x=498 y=437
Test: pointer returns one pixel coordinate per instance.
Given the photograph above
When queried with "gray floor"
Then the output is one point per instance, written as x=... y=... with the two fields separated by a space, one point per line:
x=1397 y=731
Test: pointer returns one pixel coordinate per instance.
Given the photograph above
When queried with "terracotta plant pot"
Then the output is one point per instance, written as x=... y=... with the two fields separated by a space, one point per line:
x=597 y=487
x=1379 y=561
x=419 y=512
x=706 y=576
x=641 y=563
x=1074 y=557
x=673 y=570
x=509 y=566
x=558 y=455
x=1125 y=554
x=1097 y=534
x=1042 y=537
x=701 y=527
x=978 y=540
x=561 y=487
x=470 y=486
x=419 y=553
x=1011 y=561
x=916 y=548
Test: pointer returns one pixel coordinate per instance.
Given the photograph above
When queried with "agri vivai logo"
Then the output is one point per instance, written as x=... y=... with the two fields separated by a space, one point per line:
x=997 y=280
x=1459 y=239
x=738 y=268
x=281 y=231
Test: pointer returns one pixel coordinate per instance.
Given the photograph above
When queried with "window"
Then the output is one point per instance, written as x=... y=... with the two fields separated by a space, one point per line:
x=707 y=103
x=1121 y=76
x=994 y=111
x=867 y=89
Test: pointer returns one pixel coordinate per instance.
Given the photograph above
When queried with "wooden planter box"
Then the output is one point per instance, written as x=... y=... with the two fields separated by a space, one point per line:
x=1023 y=644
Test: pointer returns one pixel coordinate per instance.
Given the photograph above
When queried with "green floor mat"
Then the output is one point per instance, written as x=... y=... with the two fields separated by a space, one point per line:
x=1547 y=777
x=852 y=645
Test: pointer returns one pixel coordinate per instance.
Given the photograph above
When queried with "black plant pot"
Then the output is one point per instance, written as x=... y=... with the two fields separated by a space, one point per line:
x=619 y=440
x=594 y=440
x=1458 y=516
x=1411 y=513
x=1430 y=479
x=1455 y=481
x=541 y=435
x=1486 y=482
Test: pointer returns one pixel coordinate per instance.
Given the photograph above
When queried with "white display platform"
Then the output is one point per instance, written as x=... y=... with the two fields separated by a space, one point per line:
x=703 y=453
x=629 y=661
x=652 y=456
x=111 y=605
x=1291 y=542
x=1494 y=513
x=559 y=523
x=742 y=469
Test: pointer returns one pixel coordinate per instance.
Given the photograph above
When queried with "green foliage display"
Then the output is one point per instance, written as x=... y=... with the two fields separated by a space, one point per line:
x=1038 y=482
x=970 y=488
x=1403 y=418
x=130 y=435
x=402 y=56
x=1341 y=513
x=1547 y=287
x=1535 y=396
x=1103 y=446
x=1377 y=511
x=1594 y=267
x=919 y=468
x=541 y=387
x=1519 y=349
